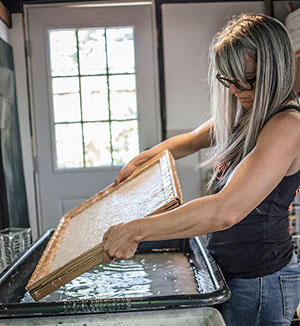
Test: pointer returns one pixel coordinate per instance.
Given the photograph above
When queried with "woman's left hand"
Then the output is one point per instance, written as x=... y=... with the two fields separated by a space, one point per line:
x=120 y=242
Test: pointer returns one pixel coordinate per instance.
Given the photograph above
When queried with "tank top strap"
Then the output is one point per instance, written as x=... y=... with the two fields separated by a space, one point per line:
x=286 y=107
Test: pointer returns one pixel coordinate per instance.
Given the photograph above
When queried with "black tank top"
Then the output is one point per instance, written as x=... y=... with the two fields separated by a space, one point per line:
x=260 y=244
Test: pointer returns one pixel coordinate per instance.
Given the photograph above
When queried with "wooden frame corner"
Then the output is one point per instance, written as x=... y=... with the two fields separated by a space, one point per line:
x=5 y=15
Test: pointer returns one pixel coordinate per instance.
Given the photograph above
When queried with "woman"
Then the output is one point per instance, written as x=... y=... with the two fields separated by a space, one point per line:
x=255 y=140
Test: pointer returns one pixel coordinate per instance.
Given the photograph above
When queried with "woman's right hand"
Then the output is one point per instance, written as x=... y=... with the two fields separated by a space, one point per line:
x=126 y=171
x=180 y=146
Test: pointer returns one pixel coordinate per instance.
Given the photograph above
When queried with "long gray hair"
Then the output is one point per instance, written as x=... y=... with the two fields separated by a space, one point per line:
x=267 y=41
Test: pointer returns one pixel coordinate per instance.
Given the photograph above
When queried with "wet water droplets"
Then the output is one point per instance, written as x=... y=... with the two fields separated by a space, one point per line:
x=144 y=275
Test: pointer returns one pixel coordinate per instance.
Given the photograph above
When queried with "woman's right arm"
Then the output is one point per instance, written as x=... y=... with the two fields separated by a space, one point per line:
x=180 y=146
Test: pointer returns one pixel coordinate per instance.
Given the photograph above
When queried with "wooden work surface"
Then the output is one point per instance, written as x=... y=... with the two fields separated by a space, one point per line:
x=76 y=245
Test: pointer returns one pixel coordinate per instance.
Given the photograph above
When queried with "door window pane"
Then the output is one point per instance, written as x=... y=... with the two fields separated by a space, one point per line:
x=92 y=56
x=124 y=141
x=65 y=85
x=94 y=96
x=120 y=41
x=66 y=107
x=69 y=145
x=97 y=144
x=63 y=53
x=66 y=99
x=122 y=97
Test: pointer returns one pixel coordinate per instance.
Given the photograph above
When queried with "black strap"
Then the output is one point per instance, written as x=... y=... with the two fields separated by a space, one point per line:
x=287 y=107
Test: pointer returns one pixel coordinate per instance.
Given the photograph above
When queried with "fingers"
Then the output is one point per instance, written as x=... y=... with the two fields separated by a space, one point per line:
x=121 y=176
x=107 y=232
x=120 y=255
x=105 y=235
x=124 y=173
x=107 y=259
x=119 y=243
x=118 y=179
x=126 y=252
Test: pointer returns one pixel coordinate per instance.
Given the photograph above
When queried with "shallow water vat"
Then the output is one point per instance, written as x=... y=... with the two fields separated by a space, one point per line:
x=171 y=274
x=204 y=316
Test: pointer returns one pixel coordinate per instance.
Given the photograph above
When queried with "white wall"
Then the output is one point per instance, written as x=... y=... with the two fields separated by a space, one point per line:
x=281 y=8
x=16 y=40
x=187 y=32
x=14 y=37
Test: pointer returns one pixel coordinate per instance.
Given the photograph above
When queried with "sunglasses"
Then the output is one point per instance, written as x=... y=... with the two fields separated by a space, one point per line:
x=227 y=82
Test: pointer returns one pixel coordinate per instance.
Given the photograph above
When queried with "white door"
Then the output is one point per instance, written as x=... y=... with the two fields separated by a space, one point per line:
x=93 y=90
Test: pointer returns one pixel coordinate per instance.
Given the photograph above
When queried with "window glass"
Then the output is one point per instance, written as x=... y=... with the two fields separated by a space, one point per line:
x=94 y=96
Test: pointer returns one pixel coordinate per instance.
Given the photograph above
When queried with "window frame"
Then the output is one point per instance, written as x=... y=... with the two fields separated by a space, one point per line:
x=103 y=168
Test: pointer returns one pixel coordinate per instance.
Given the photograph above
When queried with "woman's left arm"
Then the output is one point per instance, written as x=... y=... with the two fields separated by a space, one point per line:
x=277 y=149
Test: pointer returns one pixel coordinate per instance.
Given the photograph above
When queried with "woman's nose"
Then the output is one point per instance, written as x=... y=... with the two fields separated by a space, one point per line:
x=233 y=89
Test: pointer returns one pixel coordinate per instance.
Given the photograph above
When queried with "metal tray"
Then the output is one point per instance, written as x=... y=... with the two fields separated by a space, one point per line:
x=14 y=279
x=204 y=316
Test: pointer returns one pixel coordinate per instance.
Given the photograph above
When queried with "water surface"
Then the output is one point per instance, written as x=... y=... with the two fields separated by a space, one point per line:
x=150 y=274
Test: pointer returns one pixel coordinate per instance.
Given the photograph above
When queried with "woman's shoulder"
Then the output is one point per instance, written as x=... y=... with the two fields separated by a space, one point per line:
x=281 y=136
x=284 y=124
x=287 y=115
